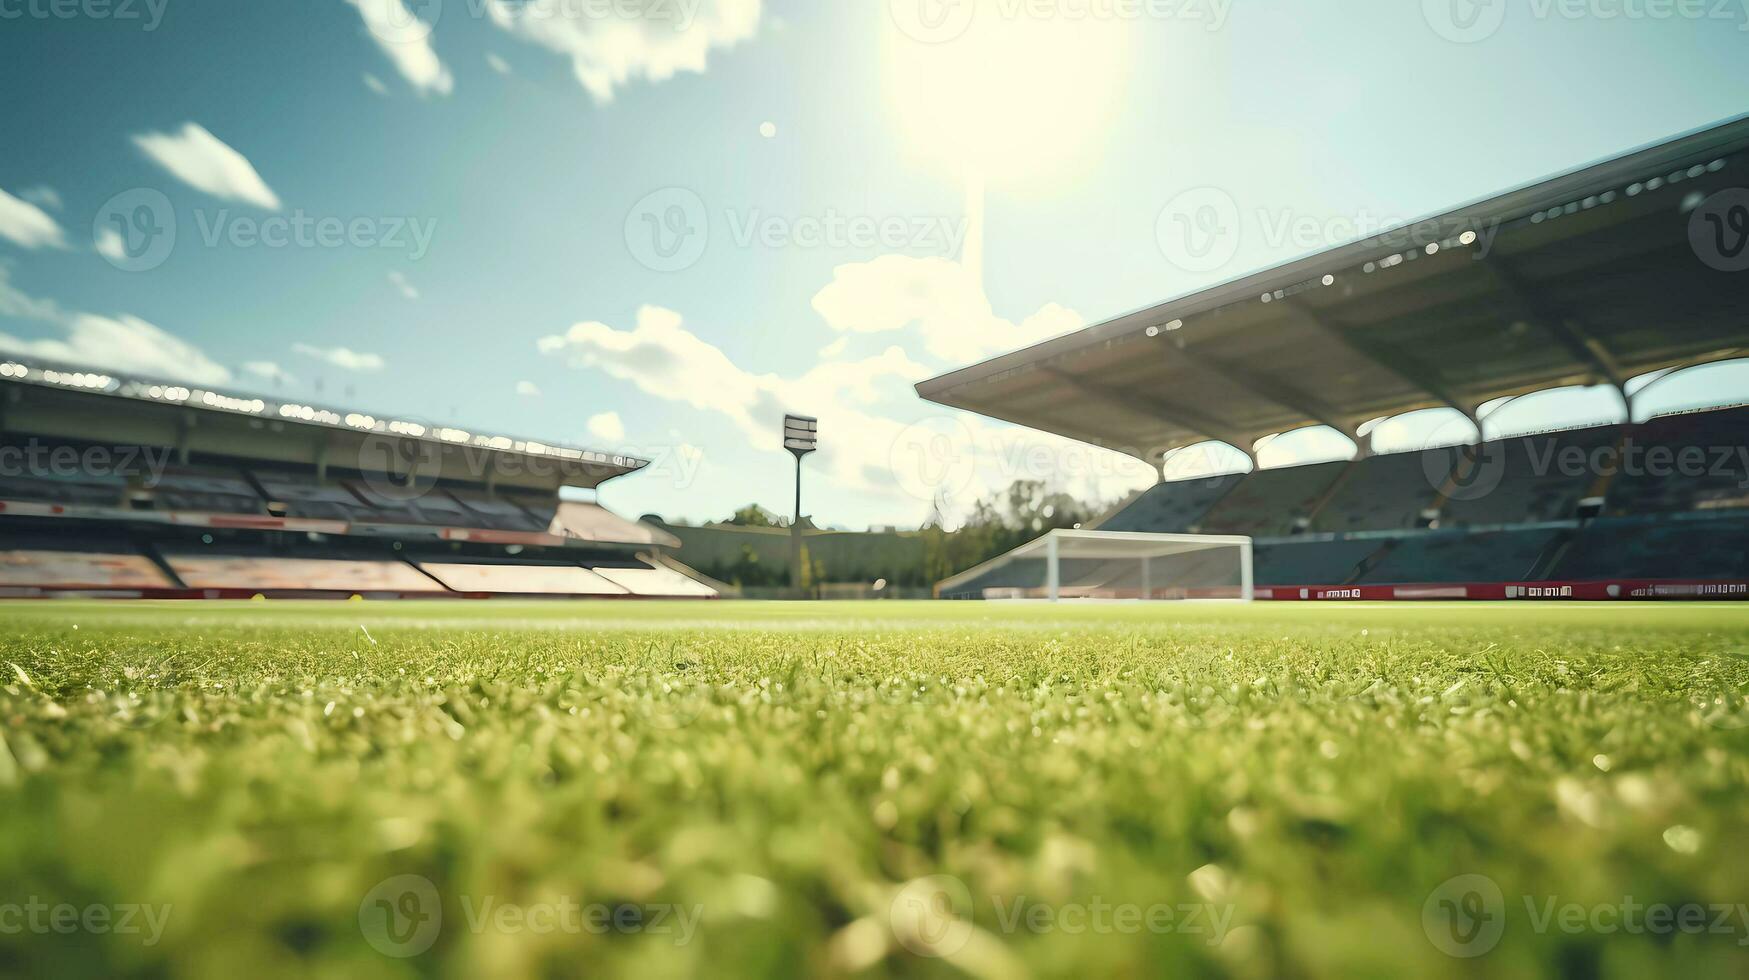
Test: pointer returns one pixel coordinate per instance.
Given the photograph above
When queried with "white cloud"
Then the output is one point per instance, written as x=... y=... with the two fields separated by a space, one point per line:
x=852 y=399
x=835 y=348
x=17 y=305
x=528 y=389
x=110 y=246
x=400 y=282
x=608 y=50
x=375 y=84
x=498 y=64
x=206 y=163
x=342 y=357
x=126 y=344
x=407 y=41
x=121 y=343
x=268 y=370
x=607 y=426
x=27 y=225
x=42 y=196
x=944 y=301
x=877 y=438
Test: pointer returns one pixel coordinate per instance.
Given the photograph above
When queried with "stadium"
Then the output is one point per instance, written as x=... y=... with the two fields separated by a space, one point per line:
x=124 y=488
x=1567 y=282
x=291 y=688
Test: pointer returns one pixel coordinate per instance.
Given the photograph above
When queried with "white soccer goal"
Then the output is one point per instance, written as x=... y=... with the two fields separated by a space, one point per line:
x=1113 y=565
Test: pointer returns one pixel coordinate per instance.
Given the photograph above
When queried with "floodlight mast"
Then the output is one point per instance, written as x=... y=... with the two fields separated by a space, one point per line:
x=801 y=436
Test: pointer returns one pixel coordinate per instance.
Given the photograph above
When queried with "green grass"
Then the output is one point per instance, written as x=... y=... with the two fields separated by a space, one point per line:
x=1306 y=777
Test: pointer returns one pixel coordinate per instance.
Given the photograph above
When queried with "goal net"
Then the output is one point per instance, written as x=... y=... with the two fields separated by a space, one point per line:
x=1068 y=564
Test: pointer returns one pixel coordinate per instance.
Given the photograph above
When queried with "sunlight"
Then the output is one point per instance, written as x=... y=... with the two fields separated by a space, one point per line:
x=1013 y=99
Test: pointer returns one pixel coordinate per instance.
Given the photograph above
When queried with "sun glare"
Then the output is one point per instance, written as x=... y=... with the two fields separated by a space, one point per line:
x=1013 y=99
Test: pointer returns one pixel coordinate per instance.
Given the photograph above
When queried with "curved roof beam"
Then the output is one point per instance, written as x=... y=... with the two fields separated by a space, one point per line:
x=1388 y=360
x=1275 y=392
x=1155 y=407
x=1535 y=310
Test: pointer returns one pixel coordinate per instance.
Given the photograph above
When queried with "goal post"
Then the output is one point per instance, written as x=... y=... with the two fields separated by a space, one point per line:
x=1069 y=563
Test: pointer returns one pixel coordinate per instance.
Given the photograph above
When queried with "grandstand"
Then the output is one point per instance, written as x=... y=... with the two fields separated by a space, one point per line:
x=1590 y=278
x=129 y=487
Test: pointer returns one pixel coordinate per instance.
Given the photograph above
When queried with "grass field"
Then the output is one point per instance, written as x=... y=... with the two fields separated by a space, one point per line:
x=465 y=790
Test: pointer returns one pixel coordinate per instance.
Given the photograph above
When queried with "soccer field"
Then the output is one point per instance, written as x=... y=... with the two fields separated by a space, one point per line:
x=718 y=789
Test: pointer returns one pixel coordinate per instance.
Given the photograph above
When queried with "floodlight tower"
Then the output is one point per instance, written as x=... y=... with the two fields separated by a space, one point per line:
x=801 y=436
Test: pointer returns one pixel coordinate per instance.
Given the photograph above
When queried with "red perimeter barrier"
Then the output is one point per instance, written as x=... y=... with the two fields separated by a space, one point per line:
x=1619 y=589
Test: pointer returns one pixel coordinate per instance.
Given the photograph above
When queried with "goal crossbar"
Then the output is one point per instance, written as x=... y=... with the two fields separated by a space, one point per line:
x=1064 y=544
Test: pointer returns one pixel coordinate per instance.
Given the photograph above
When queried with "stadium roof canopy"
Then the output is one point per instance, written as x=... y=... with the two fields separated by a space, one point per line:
x=43 y=398
x=1587 y=278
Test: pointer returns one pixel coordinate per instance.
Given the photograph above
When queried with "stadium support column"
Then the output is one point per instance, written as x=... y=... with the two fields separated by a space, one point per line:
x=1147 y=577
x=1053 y=575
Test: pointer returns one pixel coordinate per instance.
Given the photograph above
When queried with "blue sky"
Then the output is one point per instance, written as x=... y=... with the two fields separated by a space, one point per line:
x=655 y=225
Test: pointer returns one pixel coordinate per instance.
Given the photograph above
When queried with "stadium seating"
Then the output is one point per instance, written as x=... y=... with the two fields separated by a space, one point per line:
x=265 y=573
x=539 y=510
x=186 y=488
x=654 y=582
x=63 y=569
x=1457 y=556
x=1714 y=475
x=1384 y=493
x=1173 y=507
x=304 y=495
x=522 y=579
x=1273 y=502
x=1537 y=480
x=49 y=487
x=1312 y=562
x=1651 y=548
x=496 y=513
